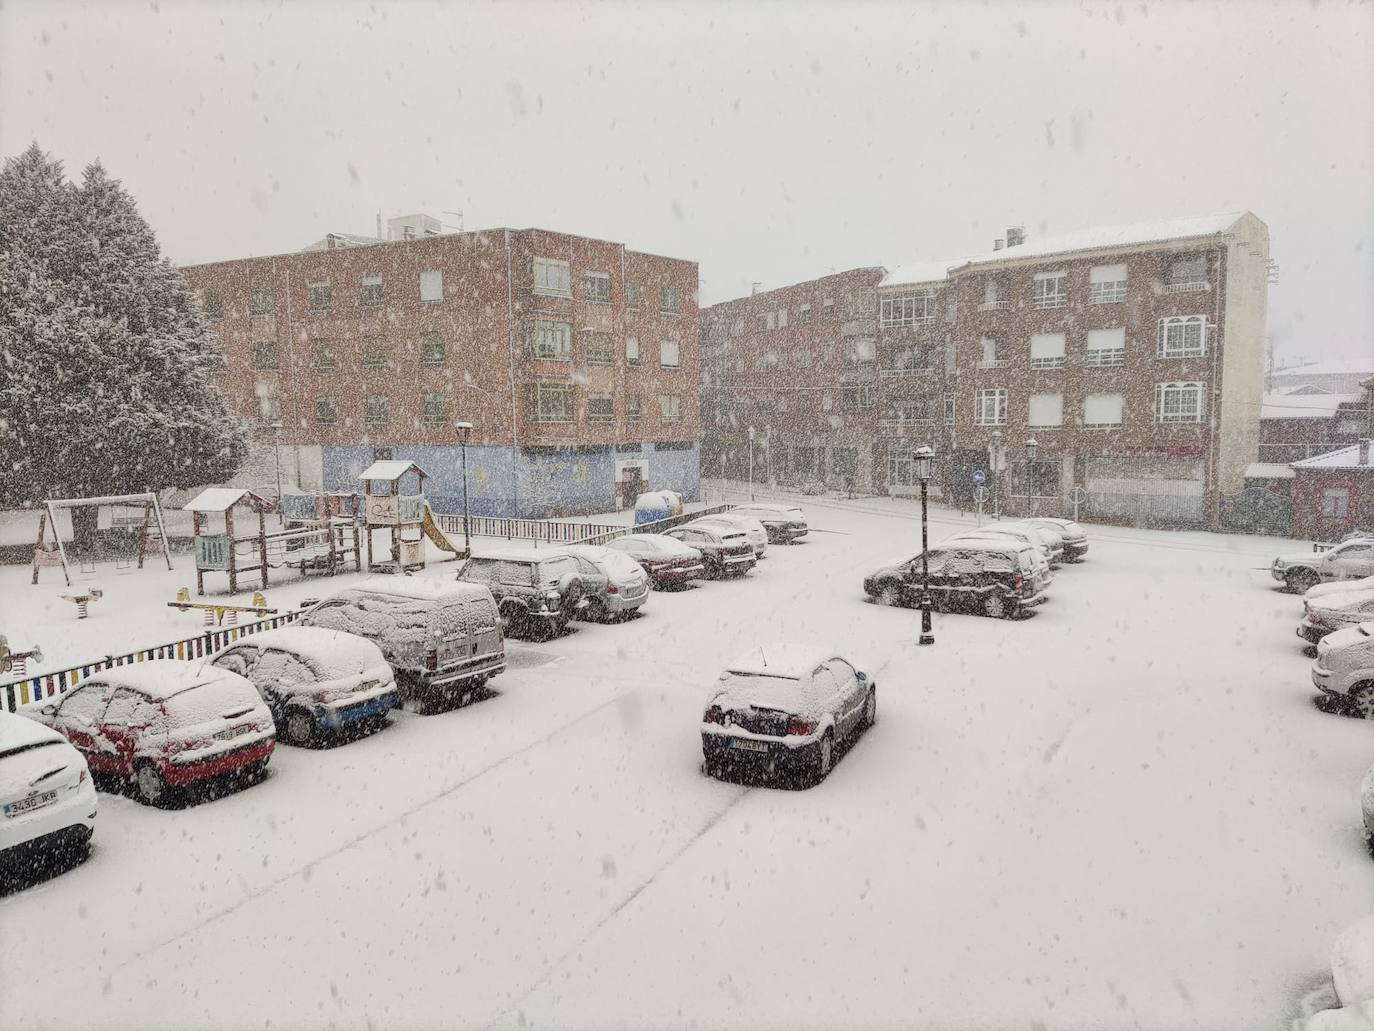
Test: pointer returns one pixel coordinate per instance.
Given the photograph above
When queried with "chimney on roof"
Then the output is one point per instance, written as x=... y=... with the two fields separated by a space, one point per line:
x=997 y=244
x=754 y=288
x=1016 y=235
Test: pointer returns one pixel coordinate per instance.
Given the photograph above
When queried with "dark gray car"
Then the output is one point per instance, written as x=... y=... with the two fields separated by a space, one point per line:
x=537 y=592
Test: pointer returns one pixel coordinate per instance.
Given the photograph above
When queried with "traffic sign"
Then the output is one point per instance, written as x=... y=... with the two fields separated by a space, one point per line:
x=979 y=477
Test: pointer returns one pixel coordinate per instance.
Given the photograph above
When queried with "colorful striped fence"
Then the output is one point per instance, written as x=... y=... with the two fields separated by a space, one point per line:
x=51 y=685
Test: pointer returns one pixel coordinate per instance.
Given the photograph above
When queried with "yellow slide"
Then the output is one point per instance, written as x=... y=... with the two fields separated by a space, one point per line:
x=438 y=536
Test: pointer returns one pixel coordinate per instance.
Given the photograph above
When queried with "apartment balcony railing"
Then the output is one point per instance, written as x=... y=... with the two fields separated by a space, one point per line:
x=991 y=363
x=889 y=422
x=1056 y=362
x=1106 y=293
x=994 y=306
x=1057 y=301
x=1106 y=358
x=922 y=370
x=1193 y=286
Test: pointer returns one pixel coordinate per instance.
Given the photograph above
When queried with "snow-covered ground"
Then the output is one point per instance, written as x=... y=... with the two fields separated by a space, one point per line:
x=1122 y=812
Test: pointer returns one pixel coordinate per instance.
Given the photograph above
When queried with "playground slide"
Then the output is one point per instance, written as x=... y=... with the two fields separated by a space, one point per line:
x=437 y=535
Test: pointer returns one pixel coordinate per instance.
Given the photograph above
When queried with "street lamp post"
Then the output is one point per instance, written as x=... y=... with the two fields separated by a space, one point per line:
x=994 y=460
x=465 y=428
x=1032 y=446
x=276 y=447
x=924 y=458
x=751 y=463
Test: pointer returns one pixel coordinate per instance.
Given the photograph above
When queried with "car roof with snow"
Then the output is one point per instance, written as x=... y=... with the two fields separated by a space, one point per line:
x=762 y=506
x=323 y=647
x=419 y=588
x=781 y=659
x=17 y=731
x=523 y=554
x=989 y=542
x=162 y=678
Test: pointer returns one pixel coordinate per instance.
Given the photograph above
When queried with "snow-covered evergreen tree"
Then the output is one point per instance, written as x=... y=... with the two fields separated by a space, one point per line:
x=105 y=356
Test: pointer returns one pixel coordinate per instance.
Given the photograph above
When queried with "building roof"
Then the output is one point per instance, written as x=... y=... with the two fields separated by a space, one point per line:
x=389 y=470
x=1304 y=406
x=1133 y=234
x=1268 y=471
x=781 y=659
x=221 y=499
x=1342 y=458
x=929 y=270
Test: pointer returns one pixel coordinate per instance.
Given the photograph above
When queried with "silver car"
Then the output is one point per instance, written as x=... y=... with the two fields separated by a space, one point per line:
x=616 y=584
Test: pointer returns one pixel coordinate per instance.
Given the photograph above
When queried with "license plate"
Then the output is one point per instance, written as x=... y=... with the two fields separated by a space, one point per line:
x=745 y=745
x=28 y=805
x=232 y=732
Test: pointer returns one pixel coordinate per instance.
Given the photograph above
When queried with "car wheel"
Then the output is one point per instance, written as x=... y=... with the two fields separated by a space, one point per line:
x=1362 y=700
x=994 y=605
x=1300 y=581
x=825 y=757
x=300 y=726
x=871 y=708
x=889 y=595
x=595 y=611
x=713 y=768
x=149 y=784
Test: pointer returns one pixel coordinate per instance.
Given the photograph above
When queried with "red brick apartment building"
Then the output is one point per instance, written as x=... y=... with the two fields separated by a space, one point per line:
x=575 y=360
x=1132 y=355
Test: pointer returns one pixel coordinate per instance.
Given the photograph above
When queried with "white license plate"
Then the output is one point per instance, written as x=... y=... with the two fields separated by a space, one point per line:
x=745 y=745
x=28 y=805
x=231 y=733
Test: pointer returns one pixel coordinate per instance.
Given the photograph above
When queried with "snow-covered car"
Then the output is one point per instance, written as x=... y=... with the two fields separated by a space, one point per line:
x=623 y=585
x=751 y=528
x=315 y=681
x=164 y=724
x=1346 y=1002
x=1345 y=667
x=724 y=550
x=537 y=592
x=1050 y=540
x=442 y=639
x=1300 y=571
x=1000 y=577
x=1073 y=536
x=1022 y=537
x=785 y=708
x=785 y=524
x=667 y=561
x=1367 y=806
x=1334 y=606
x=46 y=795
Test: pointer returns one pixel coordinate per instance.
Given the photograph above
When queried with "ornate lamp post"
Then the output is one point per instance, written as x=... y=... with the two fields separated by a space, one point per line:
x=1032 y=446
x=463 y=429
x=924 y=457
x=751 y=463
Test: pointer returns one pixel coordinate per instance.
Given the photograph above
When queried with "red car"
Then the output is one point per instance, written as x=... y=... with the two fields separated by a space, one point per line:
x=666 y=560
x=161 y=725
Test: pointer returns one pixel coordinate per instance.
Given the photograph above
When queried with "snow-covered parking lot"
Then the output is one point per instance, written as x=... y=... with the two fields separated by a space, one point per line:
x=1122 y=812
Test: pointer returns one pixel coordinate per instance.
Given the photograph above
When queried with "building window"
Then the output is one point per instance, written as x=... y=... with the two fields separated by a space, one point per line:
x=668 y=355
x=901 y=469
x=1178 y=402
x=844 y=461
x=266 y=355
x=804 y=313
x=949 y=409
x=552 y=277
x=1050 y=290
x=374 y=353
x=269 y=404
x=1034 y=479
x=600 y=350
x=768 y=320
x=326 y=410
x=994 y=295
x=828 y=307
x=632 y=294
x=668 y=300
x=670 y=407
x=436 y=408
x=908 y=359
x=1102 y=410
x=1183 y=336
x=1186 y=274
x=990 y=359
x=551 y=340
x=782 y=318
x=378 y=409
x=432 y=350
x=553 y=402
x=632 y=350
x=431 y=286
x=632 y=408
x=1045 y=411
x=804 y=357
x=1047 y=351
x=1336 y=503
x=370 y=295
x=860 y=351
x=1106 y=348
x=596 y=286
x=321 y=297
x=856 y=399
x=990 y=407
x=262 y=301
x=600 y=408
x=322 y=356
x=1106 y=284
x=908 y=309
x=906 y=410
x=213 y=303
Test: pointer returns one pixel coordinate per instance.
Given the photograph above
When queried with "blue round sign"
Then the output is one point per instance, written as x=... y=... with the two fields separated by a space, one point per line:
x=979 y=477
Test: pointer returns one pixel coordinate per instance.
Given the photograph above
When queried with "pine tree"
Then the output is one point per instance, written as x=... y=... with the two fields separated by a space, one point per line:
x=105 y=357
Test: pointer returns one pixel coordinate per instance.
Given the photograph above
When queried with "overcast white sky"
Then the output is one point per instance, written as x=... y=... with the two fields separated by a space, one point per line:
x=771 y=143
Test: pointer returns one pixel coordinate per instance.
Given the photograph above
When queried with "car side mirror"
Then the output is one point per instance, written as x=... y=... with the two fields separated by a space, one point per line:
x=49 y=710
x=863 y=675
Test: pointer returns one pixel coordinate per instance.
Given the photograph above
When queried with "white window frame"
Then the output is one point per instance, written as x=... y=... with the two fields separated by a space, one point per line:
x=607 y=356
x=668 y=348
x=1173 y=334
x=434 y=418
x=602 y=293
x=371 y=292
x=601 y=418
x=1339 y=507
x=950 y=402
x=910 y=309
x=634 y=407
x=544 y=408
x=1050 y=290
x=669 y=300
x=1047 y=341
x=1172 y=395
x=670 y=408
x=551 y=340
x=1121 y=411
x=860 y=350
x=1105 y=357
x=552 y=277
x=431 y=286
x=984 y=362
x=905 y=411
x=1041 y=423
x=632 y=350
x=990 y=406
x=1107 y=284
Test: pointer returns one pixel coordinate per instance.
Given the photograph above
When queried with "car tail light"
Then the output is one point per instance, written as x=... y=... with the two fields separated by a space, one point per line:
x=612 y=589
x=713 y=715
x=432 y=660
x=1016 y=583
x=1315 y=619
x=798 y=727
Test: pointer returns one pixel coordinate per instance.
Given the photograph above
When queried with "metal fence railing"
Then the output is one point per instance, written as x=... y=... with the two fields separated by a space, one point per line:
x=609 y=533
x=51 y=685
x=553 y=531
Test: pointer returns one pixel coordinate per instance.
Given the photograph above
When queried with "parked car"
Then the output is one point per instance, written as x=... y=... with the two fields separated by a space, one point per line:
x=1073 y=536
x=667 y=560
x=164 y=724
x=1345 y=667
x=786 y=708
x=784 y=524
x=315 y=681
x=537 y=592
x=442 y=639
x=616 y=586
x=1021 y=537
x=1351 y=560
x=1050 y=542
x=725 y=551
x=752 y=528
x=1346 y=1001
x=1334 y=606
x=1367 y=807
x=47 y=796
x=1000 y=578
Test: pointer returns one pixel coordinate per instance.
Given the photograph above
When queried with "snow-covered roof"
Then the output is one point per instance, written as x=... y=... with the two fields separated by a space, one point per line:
x=389 y=470
x=1304 y=406
x=220 y=499
x=1103 y=237
x=326 y=649
x=928 y=270
x=1343 y=458
x=781 y=659
x=1328 y=367
x=420 y=587
x=161 y=678
x=17 y=731
x=1268 y=471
